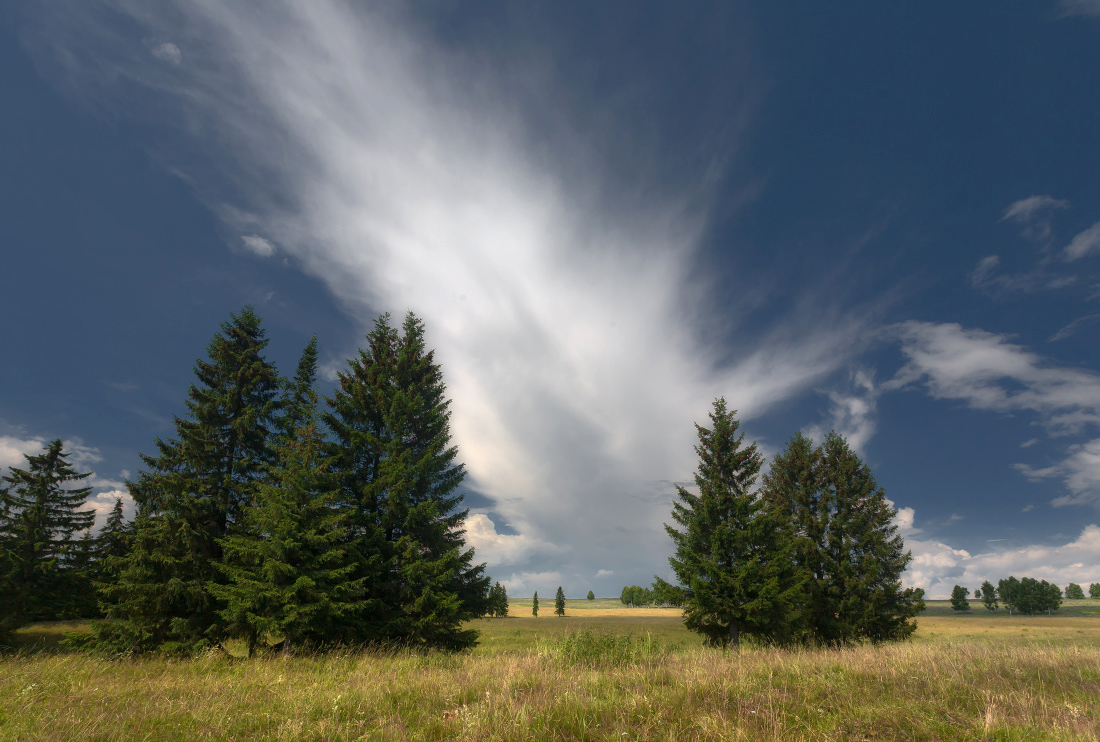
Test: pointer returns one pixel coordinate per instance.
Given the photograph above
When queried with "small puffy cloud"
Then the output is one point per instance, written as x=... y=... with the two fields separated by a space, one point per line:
x=1029 y=443
x=167 y=52
x=1083 y=244
x=937 y=567
x=258 y=245
x=605 y=573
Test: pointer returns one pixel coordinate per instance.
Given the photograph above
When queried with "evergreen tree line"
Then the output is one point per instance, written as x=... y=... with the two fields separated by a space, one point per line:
x=270 y=517
x=49 y=561
x=811 y=556
x=1025 y=595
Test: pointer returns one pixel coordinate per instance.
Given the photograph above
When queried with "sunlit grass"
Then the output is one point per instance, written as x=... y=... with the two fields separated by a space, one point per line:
x=976 y=677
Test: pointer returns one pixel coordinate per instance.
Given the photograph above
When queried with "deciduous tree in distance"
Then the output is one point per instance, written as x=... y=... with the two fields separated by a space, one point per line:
x=989 y=595
x=1074 y=592
x=958 y=598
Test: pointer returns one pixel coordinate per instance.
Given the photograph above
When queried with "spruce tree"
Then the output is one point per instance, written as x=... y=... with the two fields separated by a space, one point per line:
x=400 y=477
x=732 y=555
x=989 y=595
x=958 y=598
x=44 y=562
x=290 y=572
x=535 y=605
x=498 y=601
x=559 y=602
x=192 y=494
x=591 y=595
x=846 y=543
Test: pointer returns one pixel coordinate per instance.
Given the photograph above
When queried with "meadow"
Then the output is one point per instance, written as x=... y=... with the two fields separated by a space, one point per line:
x=603 y=672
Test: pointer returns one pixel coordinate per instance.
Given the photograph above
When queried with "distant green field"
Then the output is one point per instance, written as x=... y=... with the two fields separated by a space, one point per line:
x=969 y=676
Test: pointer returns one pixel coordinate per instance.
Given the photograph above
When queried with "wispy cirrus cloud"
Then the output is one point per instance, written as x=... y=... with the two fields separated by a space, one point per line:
x=988 y=372
x=1033 y=214
x=1080 y=471
x=562 y=297
x=1084 y=243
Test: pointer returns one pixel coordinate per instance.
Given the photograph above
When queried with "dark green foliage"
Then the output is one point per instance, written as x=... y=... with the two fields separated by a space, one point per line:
x=958 y=598
x=191 y=495
x=1029 y=596
x=1094 y=590
x=989 y=595
x=399 y=479
x=111 y=547
x=591 y=595
x=291 y=574
x=535 y=605
x=44 y=563
x=732 y=554
x=300 y=395
x=559 y=602
x=1074 y=592
x=498 y=601
x=846 y=544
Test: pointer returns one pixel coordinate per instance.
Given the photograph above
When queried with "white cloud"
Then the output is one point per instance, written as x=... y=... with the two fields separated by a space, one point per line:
x=495 y=548
x=1083 y=244
x=167 y=52
x=258 y=245
x=988 y=372
x=605 y=573
x=1034 y=213
x=524 y=582
x=1080 y=471
x=1029 y=443
x=562 y=303
x=851 y=412
x=937 y=567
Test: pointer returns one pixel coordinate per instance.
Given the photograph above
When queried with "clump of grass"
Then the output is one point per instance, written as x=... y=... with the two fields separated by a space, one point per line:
x=604 y=649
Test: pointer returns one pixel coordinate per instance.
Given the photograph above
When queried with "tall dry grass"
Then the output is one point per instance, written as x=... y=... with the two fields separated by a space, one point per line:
x=993 y=690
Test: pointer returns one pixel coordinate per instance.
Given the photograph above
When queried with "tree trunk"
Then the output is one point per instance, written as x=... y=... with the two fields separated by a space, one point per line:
x=735 y=635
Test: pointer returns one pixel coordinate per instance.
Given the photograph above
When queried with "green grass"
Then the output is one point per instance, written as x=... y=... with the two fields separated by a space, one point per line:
x=624 y=676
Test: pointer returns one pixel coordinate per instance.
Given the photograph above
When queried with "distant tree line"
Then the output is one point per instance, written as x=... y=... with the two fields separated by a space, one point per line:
x=268 y=517
x=812 y=556
x=1025 y=595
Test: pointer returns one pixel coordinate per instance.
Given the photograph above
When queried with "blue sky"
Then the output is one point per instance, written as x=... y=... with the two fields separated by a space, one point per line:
x=880 y=220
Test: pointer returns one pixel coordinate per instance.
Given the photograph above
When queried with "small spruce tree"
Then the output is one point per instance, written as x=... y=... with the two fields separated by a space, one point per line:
x=559 y=602
x=44 y=562
x=591 y=595
x=535 y=605
x=958 y=598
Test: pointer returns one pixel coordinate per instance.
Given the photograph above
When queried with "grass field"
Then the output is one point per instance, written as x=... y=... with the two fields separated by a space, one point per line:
x=975 y=676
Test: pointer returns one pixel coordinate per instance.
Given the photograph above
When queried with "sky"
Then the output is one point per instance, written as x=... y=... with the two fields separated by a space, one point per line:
x=875 y=219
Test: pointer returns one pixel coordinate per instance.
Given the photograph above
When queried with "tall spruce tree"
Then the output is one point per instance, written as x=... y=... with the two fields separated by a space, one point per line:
x=399 y=476
x=559 y=602
x=989 y=595
x=291 y=572
x=958 y=598
x=732 y=555
x=44 y=562
x=193 y=493
x=846 y=543
x=535 y=605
